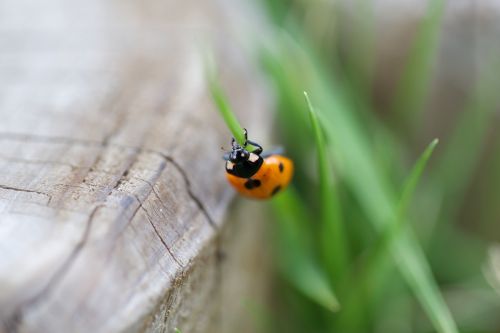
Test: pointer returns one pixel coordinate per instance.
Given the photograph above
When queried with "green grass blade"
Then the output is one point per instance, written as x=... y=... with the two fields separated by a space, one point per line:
x=357 y=166
x=310 y=280
x=420 y=279
x=456 y=170
x=374 y=268
x=333 y=242
x=222 y=104
x=176 y=330
x=414 y=82
x=296 y=258
x=225 y=110
x=413 y=179
x=377 y=199
x=393 y=230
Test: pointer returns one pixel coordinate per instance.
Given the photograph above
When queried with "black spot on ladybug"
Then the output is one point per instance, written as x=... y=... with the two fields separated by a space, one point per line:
x=252 y=183
x=276 y=190
x=282 y=167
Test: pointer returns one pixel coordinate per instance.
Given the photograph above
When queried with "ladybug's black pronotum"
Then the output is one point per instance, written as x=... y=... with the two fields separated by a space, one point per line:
x=255 y=174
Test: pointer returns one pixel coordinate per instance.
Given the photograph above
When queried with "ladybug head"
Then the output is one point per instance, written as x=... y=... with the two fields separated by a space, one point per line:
x=241 y=162
x=238 y=154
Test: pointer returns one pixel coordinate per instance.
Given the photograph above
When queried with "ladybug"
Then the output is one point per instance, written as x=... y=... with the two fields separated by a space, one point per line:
x=255 y=174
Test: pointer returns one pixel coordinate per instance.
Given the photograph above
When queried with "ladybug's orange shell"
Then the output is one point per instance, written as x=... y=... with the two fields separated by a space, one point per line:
x=272 y=177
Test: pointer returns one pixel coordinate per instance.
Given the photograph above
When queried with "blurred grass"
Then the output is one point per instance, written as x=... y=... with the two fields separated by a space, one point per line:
x=369 y=185
x=356 y=203
x=331 y=228
x=360 y=247
x=373 y=266
x=222 y=104
x=414 y=84
x=226 y=112
x=297 y=261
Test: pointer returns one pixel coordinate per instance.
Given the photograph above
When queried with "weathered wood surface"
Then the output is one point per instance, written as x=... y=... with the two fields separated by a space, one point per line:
x=112 y=192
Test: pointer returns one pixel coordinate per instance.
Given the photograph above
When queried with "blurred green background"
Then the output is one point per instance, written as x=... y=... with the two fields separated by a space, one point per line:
x=375 y=235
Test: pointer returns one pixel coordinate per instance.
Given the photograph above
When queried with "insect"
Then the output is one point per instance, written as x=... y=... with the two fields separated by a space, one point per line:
x=255 y=174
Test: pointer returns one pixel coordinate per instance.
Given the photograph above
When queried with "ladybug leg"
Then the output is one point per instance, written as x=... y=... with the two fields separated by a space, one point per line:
x=245 y=133
x=258 y=149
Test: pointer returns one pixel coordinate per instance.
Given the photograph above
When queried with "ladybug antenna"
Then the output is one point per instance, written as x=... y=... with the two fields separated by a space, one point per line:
x=235 y=144
x=245 y=133
x=226 y=154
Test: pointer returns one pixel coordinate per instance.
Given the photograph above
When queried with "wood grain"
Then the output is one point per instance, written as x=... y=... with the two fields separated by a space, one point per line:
x=112 y=190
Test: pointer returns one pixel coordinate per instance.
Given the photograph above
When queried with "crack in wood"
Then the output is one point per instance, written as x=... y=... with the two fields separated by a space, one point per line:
x=86 y=186
x=15 y=318
x=157 y=195
x=138 y=101
x=169 y=304
x=194 y=197
x=42 y=162
x=66 y=140
x=71 y=166
x=153 y=190
x=140 y=205
x=13 y=322
x=120 y=232
x=159 y=235
x=170 y=297
x=17 y=189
